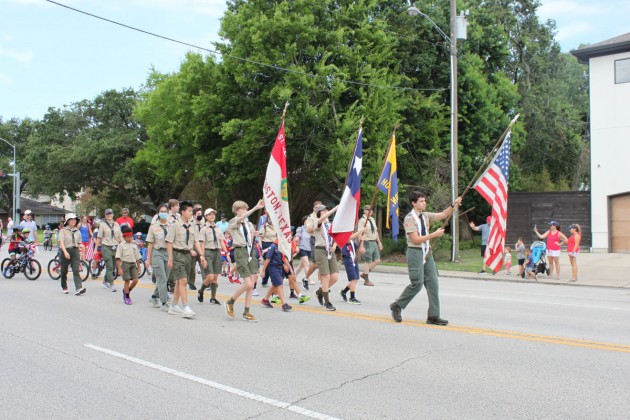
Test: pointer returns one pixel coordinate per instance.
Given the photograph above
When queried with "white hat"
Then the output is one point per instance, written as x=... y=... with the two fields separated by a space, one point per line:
x=208 y=211
x=70 y=216
x=28 y=212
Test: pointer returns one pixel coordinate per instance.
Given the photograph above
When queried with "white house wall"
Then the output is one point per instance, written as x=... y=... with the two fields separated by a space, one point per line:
x=610 y=143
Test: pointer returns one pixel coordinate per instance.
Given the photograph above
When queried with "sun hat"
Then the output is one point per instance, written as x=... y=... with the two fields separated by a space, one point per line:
x=70 y=216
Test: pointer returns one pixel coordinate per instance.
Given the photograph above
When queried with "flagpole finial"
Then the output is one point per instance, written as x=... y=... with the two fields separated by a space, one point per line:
x=284 y=112
x=361 y=122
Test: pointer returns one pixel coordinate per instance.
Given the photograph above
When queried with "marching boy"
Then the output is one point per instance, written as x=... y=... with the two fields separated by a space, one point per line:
x=351 y=263
x=128 y=260
x=277 y=264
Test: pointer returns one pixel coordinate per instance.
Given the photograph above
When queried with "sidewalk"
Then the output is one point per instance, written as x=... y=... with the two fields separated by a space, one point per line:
x=601 y=270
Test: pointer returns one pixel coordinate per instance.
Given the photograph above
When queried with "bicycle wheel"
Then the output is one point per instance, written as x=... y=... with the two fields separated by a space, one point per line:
x=54 y=269
x=95 y=269
x=5 y=262
x=84 y=270
x=143 y=270
x=8 y=272
x=33 y=269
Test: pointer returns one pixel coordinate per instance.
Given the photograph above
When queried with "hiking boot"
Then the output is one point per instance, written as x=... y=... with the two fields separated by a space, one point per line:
x=249 y=317
x=286 y=307
x=344 y=296
x=396 y=311
x=320 y=296
x=229 y=309
x=266 y=303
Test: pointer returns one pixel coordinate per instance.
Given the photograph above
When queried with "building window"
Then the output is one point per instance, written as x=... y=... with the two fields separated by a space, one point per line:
x=622 y=71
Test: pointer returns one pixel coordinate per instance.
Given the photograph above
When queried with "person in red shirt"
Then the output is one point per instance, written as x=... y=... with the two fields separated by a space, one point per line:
x=125 y=219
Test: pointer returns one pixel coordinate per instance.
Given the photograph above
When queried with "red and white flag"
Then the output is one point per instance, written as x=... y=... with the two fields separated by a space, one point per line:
x=493 y=186
x=276 y=193
x=348 y=211
x=89 y=252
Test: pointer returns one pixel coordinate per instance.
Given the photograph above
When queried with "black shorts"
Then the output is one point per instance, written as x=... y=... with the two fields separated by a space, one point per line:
x=521 y=261
x=305 y=253
x=483 y=250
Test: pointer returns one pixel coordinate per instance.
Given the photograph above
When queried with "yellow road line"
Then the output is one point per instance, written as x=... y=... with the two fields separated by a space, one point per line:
x=621 y=348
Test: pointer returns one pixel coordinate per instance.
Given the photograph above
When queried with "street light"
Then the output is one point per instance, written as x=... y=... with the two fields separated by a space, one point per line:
x=15 y=204
x=452 y=40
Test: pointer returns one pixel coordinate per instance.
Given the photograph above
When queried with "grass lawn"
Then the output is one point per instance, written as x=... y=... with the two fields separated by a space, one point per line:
x=470 y=260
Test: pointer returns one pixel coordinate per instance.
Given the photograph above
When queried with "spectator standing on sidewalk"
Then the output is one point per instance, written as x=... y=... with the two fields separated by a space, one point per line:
x=573 y=248
x=554 y=239
x=519 y=246
x=485 y=233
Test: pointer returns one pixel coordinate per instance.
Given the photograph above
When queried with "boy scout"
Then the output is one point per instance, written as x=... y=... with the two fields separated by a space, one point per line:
x=71 y=249
x=267 y=237
x=371 y=243
x=213 y=243
x=198 y=224
x=422 y=268
x=128 y=260
x=311 y=224
x=157 y=257
x=242 y=232
x=325 y=256
x=180 y=243
x=109 y=236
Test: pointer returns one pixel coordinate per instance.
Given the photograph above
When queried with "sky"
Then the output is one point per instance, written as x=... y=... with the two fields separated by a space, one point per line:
x=51 y=56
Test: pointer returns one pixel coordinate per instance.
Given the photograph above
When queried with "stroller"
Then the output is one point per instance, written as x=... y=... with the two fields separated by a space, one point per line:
x=539 y=254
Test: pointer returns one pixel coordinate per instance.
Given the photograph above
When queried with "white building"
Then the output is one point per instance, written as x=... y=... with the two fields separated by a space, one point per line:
x=609 y=74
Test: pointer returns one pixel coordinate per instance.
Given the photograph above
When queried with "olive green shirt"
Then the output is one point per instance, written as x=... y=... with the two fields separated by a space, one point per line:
x=128 y=252
x=71 y=238
x=109 y=233
x=157 y=235
x=211 y=236
x=179 y=238
x=369 y=234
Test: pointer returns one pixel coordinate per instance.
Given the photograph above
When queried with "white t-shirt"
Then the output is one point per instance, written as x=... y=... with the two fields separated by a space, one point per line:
x=32 y=226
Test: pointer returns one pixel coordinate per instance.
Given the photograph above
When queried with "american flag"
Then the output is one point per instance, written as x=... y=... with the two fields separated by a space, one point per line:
x=89 y=253
x=493 y=186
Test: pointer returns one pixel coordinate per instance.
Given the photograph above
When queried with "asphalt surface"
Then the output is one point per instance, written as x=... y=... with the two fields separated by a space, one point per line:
x=512 y=350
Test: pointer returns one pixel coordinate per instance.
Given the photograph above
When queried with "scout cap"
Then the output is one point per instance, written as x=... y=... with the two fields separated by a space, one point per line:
x=109 y=211
x=208 y=211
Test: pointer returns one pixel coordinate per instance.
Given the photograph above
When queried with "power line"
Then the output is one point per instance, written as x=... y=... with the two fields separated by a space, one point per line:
x=215 y=52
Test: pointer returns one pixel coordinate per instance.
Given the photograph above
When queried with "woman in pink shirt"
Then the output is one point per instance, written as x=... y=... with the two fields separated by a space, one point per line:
x=554 y=239
x=573 y=248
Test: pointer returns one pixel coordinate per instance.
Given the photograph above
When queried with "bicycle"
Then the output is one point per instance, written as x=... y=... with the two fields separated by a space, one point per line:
x=26 y=264
x=97 y=266
x=48 y=245
x=54 y=268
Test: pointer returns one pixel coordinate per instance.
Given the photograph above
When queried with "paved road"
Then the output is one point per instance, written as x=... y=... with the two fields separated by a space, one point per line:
x=512 y=351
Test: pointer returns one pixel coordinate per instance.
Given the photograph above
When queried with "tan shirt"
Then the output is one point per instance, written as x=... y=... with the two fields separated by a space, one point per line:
x=320 y=238
x=268 y=233
x=171 y=219
x=157 y=235
x=238 y=240
x=177 y=236
x=368 y=235
x=110 y=234
x=66 y=235
x=197 y=227
x=208 y=236
x=311 y=223
x=128 y=252
x=410 y=226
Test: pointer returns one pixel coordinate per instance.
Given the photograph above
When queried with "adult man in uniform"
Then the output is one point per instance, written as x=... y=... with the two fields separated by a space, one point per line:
x=371 y=243
x=422 y=270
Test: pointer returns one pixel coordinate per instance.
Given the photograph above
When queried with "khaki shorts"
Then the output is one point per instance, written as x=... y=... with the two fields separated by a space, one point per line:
x=182 y=263
x=246 y=267
x=129 y=271
x=325 y=265
x=371 y=251
x=213 y=259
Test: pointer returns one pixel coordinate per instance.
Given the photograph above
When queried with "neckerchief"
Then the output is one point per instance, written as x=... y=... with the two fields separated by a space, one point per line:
x=248 y=239
x=422 y=230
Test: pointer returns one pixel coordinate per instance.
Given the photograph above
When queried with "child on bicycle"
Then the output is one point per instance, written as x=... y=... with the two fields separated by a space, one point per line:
x=48 y=237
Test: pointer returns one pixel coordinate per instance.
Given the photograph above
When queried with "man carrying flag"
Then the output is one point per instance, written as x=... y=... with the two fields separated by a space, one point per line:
x=493 y=186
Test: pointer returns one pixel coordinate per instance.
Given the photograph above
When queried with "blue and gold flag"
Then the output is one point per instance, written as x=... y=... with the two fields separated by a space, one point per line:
x=388 y=183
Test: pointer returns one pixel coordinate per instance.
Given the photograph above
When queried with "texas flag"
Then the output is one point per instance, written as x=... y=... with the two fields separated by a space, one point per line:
x=348 y=210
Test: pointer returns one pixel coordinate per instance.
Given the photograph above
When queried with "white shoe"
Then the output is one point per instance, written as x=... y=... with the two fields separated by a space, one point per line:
x=188 y=313
x=166 y=307
x=175 y=310
x=156 y=303
x=256 y=293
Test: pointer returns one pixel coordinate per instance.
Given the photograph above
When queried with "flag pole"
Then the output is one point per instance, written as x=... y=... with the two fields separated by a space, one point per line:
x=379 y=175
x=484 y=165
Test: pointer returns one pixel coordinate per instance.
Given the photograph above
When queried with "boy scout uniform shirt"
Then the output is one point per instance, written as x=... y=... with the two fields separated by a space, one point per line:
x=71 y=238
x=370 y=228
x=157 y=235
x=320 y=239
x=110 y=234
x=311 y=222
x=268 y=233
x=128 y=252
x=411 y=226
x=238 y=240
x=177 y=236
x=212 y=237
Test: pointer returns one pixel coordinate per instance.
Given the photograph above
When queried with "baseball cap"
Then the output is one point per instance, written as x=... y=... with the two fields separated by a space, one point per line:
x=321 y=207
x=554 y=223
x=222 y=214
x=125 y=209
x=367 y=207
x=208 y=211
x=28 y=212
x=109 y=211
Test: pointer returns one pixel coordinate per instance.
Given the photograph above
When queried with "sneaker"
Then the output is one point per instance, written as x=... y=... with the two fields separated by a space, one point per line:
x=175 y=310
x=166 y=307
x=229 y=309
x=192 y=287
x=305 y=284
x=187 y=312
x=237 y=280
x=304 y=298
x=112 y=287
x=64 y=291
x=80 y=291
x=482 y=272
x=249 y=317
x=214 y=301
x=128 y=300
x=200 y=296
x=354 y=301
x=255 y=293
x=107 y=285
x=275 y=299
x=396 y=310
x=230 y=279
x=157 y=303
x=311 y=282
x=330 y=307
x=286 y=307
x=344 y=296
x=266 y=303
x=293 y=296
x=320 y=297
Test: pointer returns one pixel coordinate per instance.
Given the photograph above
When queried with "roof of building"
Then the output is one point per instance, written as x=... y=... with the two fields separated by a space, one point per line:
x=37 y=208
x=611 y=46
